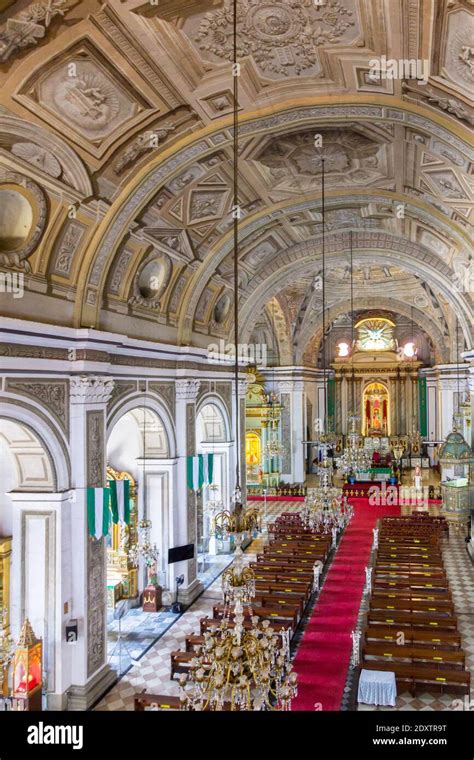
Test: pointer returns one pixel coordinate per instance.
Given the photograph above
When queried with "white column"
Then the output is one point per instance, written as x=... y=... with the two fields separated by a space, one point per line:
x=41 y=582
x=471 y=392
x=90 y=673
x=242 y=392
x=297 y=428
x=184 y=513
x=156 y=486
x=446 y=389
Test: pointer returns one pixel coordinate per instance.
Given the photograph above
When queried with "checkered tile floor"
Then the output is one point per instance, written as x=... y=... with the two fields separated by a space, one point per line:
x=460 y=572
x=142 y=629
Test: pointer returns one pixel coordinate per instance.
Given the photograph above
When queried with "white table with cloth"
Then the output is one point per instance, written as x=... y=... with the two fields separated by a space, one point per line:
x=377 y=687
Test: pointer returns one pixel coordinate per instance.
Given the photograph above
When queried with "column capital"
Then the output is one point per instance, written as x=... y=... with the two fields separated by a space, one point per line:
x=289 y=386
x=242 y=386
x=448 y=384
x=90 y=389
x=187 y=390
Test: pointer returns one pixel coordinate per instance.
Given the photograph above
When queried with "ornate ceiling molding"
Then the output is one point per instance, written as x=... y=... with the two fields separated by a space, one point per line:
x=301 y=260
x=15 y=132
x=310 y=330
x=144 y=186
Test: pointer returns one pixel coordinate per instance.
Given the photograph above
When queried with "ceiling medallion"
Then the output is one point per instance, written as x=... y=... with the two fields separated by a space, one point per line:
x=282 y=37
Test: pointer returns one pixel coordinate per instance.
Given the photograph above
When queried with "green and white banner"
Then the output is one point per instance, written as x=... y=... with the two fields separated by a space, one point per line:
x=120 y=501
x=200 y=471
x=98 y=511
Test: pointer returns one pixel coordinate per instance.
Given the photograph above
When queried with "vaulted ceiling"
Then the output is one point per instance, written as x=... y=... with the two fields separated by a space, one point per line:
x=116 y=162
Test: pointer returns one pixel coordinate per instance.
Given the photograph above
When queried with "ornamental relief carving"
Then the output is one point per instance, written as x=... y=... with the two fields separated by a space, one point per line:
x=190 y=430
x=84 y=94
x=67 y=246
x=293 y=163
x=224 y=390
x=54 y=395
x=459 y=51
x=121 y=388
x=96 y=604
x=95 y=449
x=281 y=37
x=29 y=26
x=167 y=392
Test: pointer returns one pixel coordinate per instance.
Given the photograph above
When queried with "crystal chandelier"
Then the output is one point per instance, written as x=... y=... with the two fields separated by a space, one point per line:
x=240 y=668
x=238 y=580
x=237 y=522
x=323 y=504
x=143 y=549
x=274 y=448
x=355 y=458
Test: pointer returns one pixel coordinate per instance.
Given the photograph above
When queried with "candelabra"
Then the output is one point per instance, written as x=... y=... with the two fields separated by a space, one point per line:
x=143 y=549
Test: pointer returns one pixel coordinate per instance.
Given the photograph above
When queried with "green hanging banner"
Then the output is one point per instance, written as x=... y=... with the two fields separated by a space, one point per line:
x=331 y=403
x=423 y=409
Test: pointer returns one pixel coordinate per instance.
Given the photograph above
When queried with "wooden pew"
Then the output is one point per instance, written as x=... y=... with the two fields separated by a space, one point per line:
x=424 y=594
x=407 y=619
x=434 y=586
x=193 y=640
x=273 y=614
x=414 y=636
x=292 y=587
x=417 y=676
x=180 y=662
x=265 y=559
x=412 y=605
x=161 y=701
x=453 y=659
x=277 y=600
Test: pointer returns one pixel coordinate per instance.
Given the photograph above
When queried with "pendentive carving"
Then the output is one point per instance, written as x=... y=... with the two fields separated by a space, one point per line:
x=167 y=392
x=121 y=388
x=52 y=394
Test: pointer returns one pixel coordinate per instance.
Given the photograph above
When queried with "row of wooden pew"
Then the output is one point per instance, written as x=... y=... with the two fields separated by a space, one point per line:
x=284 y=583
x=411 y=623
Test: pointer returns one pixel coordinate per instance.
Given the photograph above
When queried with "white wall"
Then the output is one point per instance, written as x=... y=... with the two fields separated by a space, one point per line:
x=8 y=481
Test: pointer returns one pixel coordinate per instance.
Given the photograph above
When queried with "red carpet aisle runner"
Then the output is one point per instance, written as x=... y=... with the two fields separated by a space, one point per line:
x=323 y=656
